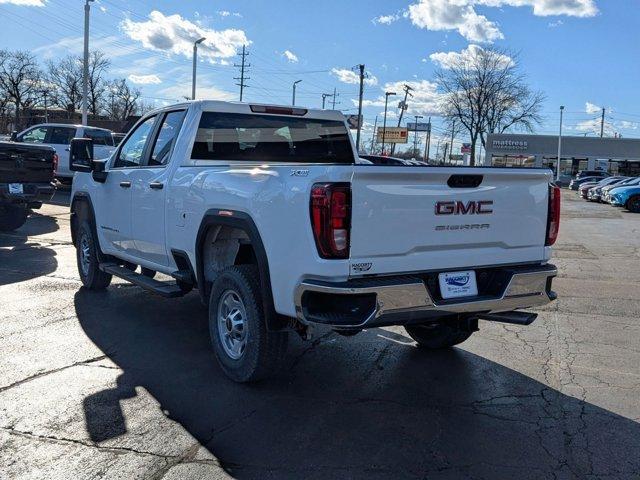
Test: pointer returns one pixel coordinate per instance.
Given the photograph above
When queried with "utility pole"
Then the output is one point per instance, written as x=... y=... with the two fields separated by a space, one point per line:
x=373 y=137
x=403 y=107
x=428 y=142
x=243 y=66
x=46 y=111
x=384 y=125
x=602 y=125
x=444 y=155
x=415 y=136
x=453 y=131
x=293 y=100
x=362 y=76
x=85 y=63
x=559 y=145
x=195 y=62
x=334 y=98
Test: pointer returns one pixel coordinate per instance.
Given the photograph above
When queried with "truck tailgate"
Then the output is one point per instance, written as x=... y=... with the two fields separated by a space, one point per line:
x=25 y=163
x=410 y=219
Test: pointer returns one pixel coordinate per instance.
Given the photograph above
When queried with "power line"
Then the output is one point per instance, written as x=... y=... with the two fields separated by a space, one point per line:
x=242 y=67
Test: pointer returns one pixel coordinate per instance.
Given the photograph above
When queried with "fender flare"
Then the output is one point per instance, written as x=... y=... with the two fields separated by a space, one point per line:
x=81 y=197
x=244 y=222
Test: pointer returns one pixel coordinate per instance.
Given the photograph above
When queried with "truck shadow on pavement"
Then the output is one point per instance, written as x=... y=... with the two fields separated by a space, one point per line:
x=371 y=406
x=21 y=258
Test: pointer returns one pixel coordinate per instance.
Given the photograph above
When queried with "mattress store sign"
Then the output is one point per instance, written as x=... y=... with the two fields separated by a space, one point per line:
x=510 y=145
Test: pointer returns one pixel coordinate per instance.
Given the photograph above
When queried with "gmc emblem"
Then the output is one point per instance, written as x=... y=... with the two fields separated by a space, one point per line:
x=482 y=207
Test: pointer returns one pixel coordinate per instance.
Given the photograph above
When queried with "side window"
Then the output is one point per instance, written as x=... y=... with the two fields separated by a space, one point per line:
x=35 y=135
x=61 y=135
x=132 y=149
x=166 y=137
x=99 y=137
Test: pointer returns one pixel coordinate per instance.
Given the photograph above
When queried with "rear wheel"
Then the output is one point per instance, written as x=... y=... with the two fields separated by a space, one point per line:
x=246 y=350
x=12 y=217
x=633 y=204
x=88 y=265
x=439 y=335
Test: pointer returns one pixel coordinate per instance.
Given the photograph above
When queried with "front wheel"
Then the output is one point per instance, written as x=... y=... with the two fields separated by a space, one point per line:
x=633 y=204
x=88 y=265
x=12 y=217
x=246 y=350
x=438 y=335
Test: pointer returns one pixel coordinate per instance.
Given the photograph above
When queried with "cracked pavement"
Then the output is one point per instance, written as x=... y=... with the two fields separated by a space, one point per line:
x=123 y=384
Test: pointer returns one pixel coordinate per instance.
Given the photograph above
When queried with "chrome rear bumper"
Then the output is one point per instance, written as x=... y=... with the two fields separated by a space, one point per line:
x=398 y=300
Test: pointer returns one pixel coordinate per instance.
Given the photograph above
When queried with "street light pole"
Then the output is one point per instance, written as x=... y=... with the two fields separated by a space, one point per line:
x=415 y=135
x=559 y=145
x=428 y=142
x=384 y=124
x=293 y=101
x=195 y=61
x=85 y=62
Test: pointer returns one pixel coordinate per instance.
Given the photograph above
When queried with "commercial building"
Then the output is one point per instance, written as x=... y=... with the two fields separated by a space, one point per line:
x=615 y=155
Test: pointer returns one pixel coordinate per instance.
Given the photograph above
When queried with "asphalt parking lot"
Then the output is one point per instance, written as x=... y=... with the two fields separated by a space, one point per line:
x=123 y=384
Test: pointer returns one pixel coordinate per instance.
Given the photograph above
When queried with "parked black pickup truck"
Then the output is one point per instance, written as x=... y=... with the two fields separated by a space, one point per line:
x=26 y=180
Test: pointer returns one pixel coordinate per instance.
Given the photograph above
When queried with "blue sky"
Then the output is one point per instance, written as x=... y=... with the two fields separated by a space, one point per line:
x=583 y=54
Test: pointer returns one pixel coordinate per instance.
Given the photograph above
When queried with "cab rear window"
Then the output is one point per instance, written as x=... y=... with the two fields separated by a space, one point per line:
x=271 y=138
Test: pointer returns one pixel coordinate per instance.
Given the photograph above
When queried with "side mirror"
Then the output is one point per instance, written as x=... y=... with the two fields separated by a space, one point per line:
x=14 y=136
x=81 y=155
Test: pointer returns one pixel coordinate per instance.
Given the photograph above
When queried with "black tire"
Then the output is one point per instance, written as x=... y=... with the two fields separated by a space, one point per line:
x=438 y=335
x=90 y=274
x=12 y=217
x=633 y=204
x=259 y=352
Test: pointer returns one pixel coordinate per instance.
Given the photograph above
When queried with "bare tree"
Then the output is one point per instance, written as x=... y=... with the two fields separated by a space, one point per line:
x=98 y=66
x=484 y=92
x=66 y=75
x=19 y=79
x=122 y=100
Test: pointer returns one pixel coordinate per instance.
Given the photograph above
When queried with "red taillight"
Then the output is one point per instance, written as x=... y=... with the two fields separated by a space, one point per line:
x=553 y=219
x=331 y=218
x=55 y=163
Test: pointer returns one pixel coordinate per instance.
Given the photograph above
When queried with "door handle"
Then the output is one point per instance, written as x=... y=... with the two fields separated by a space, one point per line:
x=156 y=185
x=125 y=184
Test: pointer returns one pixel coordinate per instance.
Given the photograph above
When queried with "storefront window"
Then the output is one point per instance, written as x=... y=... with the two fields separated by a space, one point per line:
x=518 y=161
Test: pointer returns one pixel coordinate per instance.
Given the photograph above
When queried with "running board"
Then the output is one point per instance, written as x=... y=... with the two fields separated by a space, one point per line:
x=515 y=318
x=167 y=290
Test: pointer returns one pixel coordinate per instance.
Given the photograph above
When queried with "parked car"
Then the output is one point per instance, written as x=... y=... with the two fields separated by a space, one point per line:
x=383 y=160
x=117 y=138
x=576 y=182
x=583 y=189
x=605 y=190
x=592 y=173
x=630 y=183
x=627 y=197
x=59 y=135
x=594 y=194
x=26 y=180
x=268 y=213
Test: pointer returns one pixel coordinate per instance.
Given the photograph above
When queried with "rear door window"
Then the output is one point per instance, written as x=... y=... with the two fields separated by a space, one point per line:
x=271 y=138
x=61 y=135
x=99 y=137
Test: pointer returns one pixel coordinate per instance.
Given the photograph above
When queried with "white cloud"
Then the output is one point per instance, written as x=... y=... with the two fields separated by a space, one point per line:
x=205 y=91
x=227 y=13
x=593 y=126
x=386 y=19
x=454 y=15
x=557 y=23
x=627 y=125
x=289 y=55
x=174 y=34
x=461 y=15
x=424 y=101
x=24 y=3
x=349 y=76
x=145 y=79
x=448 y=59
x=592 y=108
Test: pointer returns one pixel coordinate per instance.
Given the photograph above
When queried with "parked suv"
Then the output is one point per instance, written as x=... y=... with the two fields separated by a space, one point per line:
x=268 y=213
x=59 y=135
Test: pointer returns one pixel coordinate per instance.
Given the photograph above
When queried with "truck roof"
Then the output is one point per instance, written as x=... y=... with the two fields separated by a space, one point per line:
x=244 y=107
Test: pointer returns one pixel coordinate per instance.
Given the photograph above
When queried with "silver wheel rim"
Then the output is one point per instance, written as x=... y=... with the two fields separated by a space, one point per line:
x=232 y=324
x=85 y=254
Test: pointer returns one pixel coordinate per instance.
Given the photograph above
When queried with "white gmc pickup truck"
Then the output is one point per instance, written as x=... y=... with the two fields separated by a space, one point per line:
x=269 y=213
